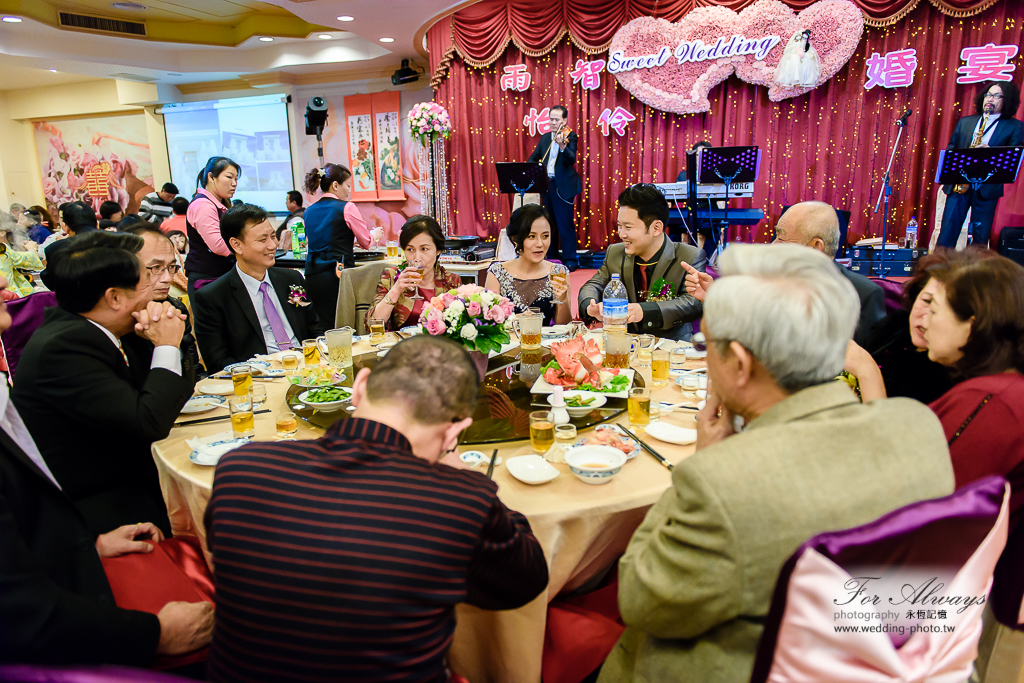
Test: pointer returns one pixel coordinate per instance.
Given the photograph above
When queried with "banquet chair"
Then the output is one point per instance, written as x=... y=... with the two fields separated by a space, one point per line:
x=954 y=541
x=356 y=289
x=30 y=673
x=893 y=292
x=26 y=316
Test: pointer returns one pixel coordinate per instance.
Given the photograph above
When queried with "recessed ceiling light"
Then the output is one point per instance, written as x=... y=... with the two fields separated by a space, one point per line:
x=345 y=17
x=128 y=5
x=266 y=39
x=325 y=36
x=387 y=40
x=12 y=20
x=53 y=71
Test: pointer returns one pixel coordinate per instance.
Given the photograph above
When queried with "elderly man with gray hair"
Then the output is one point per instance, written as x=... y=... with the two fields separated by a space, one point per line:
x=784 y=452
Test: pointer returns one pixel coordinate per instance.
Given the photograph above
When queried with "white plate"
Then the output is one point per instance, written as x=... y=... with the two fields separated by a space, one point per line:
x=203 y=404
x=694 y=353
x=211 y=386
x=331 y=405
x=224 y=438
x=261 y=364
x=669 y=433
x=531 y=469
x=542 y=387
x=614 y=428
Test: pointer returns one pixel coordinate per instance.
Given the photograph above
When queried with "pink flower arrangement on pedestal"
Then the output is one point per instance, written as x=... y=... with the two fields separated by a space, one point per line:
x=470 y=315
x=427 y=119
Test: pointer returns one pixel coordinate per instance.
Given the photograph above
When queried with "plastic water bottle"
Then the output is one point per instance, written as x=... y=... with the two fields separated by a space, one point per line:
x=912 y=233
x=615 y=306
x=298 y=239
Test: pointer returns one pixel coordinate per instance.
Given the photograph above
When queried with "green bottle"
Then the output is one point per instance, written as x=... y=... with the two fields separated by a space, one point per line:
x=298 y=239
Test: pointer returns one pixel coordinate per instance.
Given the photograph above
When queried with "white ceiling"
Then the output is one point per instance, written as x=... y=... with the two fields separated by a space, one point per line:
x=30 y=49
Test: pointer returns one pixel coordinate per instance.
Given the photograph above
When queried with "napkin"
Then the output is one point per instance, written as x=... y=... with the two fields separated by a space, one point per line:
x=208 y=454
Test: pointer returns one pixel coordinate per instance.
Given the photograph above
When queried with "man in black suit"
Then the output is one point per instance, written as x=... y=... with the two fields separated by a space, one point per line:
x=250 y=310
x=559 y=160
x=56 y=606
x=994 y=122
x=102 y=379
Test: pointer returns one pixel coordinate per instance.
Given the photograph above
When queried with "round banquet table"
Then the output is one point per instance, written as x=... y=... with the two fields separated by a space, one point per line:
x=581 y=527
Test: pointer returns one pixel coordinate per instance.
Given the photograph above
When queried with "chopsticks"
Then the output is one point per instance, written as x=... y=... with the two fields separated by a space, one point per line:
x=656 y=454
x=214 y=419
x=399 y=335
x=490 y=467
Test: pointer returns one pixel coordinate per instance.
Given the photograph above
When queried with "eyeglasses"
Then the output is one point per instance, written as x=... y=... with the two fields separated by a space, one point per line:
x=994 y=96
x=157 y=271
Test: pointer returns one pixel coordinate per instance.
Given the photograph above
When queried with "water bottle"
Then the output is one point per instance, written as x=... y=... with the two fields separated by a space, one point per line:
x=298 y=239
x=615 y=306
x=912 y=233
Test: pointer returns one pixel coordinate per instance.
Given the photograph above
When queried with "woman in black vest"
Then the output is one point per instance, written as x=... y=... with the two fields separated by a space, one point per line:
x=333 y=225
x=208 y=256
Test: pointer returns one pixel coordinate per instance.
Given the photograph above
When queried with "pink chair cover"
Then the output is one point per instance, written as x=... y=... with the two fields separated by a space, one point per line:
x=893 y=294
x=26 y=315
x=28 y=673
x=928 y=539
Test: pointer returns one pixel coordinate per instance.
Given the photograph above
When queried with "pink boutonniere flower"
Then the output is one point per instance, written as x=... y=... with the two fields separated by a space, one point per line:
x=297 y=296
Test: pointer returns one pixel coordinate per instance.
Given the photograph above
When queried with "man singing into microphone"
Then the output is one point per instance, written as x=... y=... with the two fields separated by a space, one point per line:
x=992 y=126
x=559 y=158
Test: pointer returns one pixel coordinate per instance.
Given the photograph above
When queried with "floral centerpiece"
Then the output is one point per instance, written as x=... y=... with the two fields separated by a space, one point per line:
x=470 y=315
x=427 y=119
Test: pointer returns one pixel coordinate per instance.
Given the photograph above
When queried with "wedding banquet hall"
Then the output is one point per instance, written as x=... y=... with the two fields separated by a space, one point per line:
x=511 y=341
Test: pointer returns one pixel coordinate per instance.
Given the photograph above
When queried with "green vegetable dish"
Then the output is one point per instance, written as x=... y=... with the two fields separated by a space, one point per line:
x=613 y=386
x=579 y=401
x=327 y=395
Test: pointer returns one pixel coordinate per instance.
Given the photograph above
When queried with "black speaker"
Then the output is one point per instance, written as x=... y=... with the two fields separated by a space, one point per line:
x=316 y=115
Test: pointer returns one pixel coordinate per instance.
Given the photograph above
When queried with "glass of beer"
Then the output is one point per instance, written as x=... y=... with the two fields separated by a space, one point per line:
x=393 y=250
x=416 y=273
x=287 y=425
x=618 y=350
x=258 y=394
x=542 y=431
x=290 y=362
x=241 y=377
x=311 y=352
x=562 y=277
x=376 y=331
x=528 y=327
x=243 y=425
x=336 y=346
x=659 y=367
x=639 y=407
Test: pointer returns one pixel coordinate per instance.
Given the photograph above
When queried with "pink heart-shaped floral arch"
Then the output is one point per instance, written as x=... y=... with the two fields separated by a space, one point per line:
x=836 y=29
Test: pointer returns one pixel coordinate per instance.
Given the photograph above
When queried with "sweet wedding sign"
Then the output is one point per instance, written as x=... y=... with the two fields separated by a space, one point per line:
x=673 y=66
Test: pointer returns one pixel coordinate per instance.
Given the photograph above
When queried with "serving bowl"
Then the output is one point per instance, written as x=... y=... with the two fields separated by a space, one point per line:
x=599 y=401
x=595 y=464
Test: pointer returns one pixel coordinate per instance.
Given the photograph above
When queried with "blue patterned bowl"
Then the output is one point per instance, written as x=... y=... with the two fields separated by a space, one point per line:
x=595 y=464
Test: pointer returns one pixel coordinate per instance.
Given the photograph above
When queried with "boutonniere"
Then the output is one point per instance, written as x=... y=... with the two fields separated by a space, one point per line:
x=297 y=296
x=661 y=290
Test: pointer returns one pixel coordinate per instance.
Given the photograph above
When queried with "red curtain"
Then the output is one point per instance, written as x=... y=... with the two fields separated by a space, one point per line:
x=831 y=144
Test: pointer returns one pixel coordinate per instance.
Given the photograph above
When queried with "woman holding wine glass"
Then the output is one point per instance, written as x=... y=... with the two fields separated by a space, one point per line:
x=404 y=290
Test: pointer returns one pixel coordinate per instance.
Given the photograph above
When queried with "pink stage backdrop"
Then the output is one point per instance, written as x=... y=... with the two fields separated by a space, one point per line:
x=831 y=144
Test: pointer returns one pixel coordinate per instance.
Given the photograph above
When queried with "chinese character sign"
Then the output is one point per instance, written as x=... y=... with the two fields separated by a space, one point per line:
x=97 y=181
x=894 y=70
x=516 y=77
x=989 y=63
x=616 y=120
x=537 y=121
x=588 y=73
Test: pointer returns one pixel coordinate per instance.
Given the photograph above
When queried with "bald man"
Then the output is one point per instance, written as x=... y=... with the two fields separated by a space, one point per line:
x=816 y=225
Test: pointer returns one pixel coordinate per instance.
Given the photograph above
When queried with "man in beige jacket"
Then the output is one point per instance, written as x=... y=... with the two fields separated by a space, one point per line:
x=696 y=581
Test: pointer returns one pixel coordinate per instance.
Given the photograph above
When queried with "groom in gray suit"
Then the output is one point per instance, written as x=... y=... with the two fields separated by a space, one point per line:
x=651 y=267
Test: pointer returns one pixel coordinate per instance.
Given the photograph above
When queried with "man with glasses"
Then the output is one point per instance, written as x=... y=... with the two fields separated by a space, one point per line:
x=992 y=125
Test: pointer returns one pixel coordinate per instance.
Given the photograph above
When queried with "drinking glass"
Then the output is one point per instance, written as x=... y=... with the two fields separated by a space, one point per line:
x=311 y=352
x=565 y=438
x=659 y=367
x=690 y=383
x=418 y=272
x=258 y=394
x=287 y=425
x=542 y=431
x=639 y=407
x=290 y=362
x=243 y=425
x=562 y=277
x=678 y=358
x=528 y=327
x=376 y=331
x=393 y=249
x=644 y=347
x=336 y=346
x=241 y=377
x=618 y=350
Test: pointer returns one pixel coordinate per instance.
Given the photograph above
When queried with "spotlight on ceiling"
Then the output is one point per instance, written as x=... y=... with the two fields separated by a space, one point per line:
x=406 y=74
x=387 y=40
x=345 y=17
x=12 y=20
x=266 y=39
x=325 y=36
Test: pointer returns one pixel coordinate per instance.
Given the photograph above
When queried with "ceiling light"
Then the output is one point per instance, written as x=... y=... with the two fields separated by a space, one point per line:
x=266 y=39
x=325 y=36
x=134 y=6
x=387 y=40
x=345 y=17
x=53 y=71
x=12 y=20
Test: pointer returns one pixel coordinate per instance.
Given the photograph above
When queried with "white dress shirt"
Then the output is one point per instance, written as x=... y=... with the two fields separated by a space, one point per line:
x=555 y=149
x=990 y=125
x=166 y=357
x=10 y=422
x=252 y=285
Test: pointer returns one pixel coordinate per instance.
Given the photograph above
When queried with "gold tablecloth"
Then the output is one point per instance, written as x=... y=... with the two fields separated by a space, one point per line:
x=581 y=527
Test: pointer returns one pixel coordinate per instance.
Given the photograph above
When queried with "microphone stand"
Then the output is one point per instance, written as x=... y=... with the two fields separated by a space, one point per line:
x=887 y=192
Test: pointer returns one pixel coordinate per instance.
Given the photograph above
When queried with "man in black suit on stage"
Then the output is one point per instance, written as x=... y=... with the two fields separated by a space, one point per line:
x=56 y=606
x=559 y=159
x=102 y=379
x=251 y=309
x=992 y=126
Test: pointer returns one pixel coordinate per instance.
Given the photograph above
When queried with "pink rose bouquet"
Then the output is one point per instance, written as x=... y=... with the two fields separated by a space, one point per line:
x=427 y=119
x=471 y=316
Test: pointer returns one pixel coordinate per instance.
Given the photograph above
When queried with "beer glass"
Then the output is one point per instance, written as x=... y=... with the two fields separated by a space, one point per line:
x=659 y=367
x=241 y=377
x=376 y=331
x=243 y=425
x=528 y=327
x=619 y=350
x=542 y=431
x=311 y=352
x=290 y=362
x=561 y=276
x=258 y=394
x=336 y=347
x=639 y=407
x=287 y=425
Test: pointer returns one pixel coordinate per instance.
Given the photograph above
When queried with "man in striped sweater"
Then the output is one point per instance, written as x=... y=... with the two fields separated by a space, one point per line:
x=342 y=558
x=156 y=206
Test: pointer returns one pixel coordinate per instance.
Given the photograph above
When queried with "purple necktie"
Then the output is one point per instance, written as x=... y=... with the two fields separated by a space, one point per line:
x=276 y=326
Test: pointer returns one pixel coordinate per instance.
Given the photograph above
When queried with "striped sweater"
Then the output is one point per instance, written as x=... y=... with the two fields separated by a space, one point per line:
x=343 y=558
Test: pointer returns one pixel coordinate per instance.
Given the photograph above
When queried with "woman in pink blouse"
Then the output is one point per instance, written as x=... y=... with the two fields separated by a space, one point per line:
x=209 y=257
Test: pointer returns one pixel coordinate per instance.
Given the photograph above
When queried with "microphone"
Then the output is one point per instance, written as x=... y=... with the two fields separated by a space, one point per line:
x=903 y=119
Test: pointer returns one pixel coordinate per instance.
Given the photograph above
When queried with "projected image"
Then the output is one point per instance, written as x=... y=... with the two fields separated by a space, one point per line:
x=250 y=131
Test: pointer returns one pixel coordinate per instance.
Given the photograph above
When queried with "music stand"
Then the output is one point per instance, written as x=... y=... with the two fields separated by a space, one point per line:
x=520 y=177
x=979 y=166
x=727 y=165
